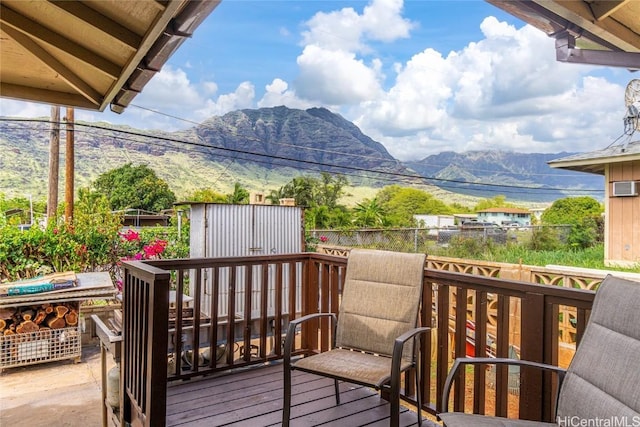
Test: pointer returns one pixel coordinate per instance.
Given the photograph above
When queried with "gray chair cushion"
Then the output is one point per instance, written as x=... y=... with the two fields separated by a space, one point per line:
x=359 y=367
x=603 y=380
x=380 y=299
x=471 y=420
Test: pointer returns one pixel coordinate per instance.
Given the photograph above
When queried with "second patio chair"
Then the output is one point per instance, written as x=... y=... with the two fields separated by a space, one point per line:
x=601 y=385
x=375 y=330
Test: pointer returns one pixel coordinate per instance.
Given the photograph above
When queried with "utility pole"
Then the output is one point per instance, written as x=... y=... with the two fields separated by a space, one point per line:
x=54 y=163
x=69 y=169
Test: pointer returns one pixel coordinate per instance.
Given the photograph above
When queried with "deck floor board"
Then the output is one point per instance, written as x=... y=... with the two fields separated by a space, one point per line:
x=254 y=398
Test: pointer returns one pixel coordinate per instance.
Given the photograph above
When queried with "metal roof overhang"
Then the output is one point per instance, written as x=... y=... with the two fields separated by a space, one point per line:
x=599 y=32
x=90 y=54
x=596 y=161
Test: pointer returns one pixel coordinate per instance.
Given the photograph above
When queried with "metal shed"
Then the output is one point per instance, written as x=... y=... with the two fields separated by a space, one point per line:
x=222 y=230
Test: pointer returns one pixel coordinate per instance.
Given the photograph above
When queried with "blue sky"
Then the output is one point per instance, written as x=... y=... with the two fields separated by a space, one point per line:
x=420 y=77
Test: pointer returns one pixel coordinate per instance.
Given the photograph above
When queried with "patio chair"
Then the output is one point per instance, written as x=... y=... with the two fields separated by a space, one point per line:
x=603 y=380
x=374 y=332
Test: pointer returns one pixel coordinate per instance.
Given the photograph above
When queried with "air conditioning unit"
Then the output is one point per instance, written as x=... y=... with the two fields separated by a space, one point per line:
x=625 y=188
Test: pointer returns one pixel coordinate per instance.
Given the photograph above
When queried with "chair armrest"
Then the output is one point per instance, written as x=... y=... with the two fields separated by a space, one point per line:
x=398 y=345
x=492 y=361
x=291 y=330
x=396 y=357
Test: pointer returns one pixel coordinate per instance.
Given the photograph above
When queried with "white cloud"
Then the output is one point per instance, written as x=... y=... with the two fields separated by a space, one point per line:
x=241 y=98
x=16 y=108
x=504 y=90
x=278 y=93
x=335 y=77
x=347 y=30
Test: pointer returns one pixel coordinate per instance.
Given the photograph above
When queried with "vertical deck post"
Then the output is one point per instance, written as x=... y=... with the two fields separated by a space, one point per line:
x=532 y=349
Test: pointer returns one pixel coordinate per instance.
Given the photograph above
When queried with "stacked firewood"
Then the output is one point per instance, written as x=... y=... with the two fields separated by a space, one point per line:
x=34 y=318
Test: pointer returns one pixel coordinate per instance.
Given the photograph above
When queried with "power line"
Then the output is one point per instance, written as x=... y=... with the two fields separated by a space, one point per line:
x=300 y=162
x=319 y=149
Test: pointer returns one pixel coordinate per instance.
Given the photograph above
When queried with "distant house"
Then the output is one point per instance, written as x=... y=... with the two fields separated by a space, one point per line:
x=141 y=218
x=502 y=216
x=620 y=166
x=434 y=221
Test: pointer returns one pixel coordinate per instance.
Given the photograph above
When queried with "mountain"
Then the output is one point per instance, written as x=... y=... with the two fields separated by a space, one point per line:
x=500 y=169
x=310 y=139
x=262 y=150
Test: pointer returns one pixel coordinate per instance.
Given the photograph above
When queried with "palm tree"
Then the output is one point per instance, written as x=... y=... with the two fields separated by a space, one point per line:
x=240 y=195
x=369 y=213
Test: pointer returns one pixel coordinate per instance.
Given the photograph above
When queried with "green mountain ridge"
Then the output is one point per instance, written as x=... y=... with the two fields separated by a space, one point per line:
x=261 y=149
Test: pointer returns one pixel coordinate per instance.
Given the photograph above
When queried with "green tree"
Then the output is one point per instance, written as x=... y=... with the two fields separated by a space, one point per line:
x=274 y=196
x=311 y=192
x=572 y=210
x=323 y=217
x=369 y=213
x=584 y=214
x=240 y=195
x=135 y=187
x=498 y=201
x=303 y=189
x=331 y=188
x=206 y=195
x=402 y=203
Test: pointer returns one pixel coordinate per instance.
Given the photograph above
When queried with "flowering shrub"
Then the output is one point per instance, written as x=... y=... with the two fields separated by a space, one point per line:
x=134 y=248
x=94 y=242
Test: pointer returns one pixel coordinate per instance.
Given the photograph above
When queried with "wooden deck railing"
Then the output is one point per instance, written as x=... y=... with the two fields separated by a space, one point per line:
x=261 y=294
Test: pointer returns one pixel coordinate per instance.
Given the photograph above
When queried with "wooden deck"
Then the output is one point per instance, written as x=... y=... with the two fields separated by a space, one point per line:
x=253 y=397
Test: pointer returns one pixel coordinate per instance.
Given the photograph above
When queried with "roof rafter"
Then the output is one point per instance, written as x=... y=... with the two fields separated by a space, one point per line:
x=603 y=9
x=100 y=22
x=52 y=63
x=607 y=29
x=34 y=31
x=156 y=29
x=44 y=95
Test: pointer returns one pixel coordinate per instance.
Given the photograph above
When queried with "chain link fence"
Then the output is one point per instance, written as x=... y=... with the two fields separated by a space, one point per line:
x=424 y=240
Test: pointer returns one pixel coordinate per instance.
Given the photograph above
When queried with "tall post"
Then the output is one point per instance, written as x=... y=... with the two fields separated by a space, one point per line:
x=69 y=169
x=54 y=163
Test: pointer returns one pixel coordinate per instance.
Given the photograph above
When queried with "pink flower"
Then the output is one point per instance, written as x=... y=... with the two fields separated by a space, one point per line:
x=137 y=256
x=130 y=236
x=155 y=248
x=323 y=239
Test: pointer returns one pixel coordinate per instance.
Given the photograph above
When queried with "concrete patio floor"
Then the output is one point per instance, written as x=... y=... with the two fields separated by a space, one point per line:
x=60 y=393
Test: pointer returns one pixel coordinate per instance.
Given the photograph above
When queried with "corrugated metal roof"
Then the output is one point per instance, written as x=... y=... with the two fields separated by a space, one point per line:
x=595 y=161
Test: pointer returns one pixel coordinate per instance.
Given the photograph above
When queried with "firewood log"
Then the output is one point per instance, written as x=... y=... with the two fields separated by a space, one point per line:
x=40 y=316
x=48 y=308
x=27 y=325
x=71 y=318
x=27 y=313
x=56 y=319
x=7 y=313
